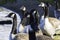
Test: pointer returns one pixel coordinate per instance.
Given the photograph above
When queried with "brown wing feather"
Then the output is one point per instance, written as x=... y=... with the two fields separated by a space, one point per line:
x=55 y=22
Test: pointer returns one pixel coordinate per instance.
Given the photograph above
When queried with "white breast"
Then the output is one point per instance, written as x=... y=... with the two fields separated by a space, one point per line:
x=49 y=27
x=46 y=26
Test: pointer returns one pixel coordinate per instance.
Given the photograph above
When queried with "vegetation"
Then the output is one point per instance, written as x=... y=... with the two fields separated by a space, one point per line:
x=2 y=2
x=5 y=1
x=57 y=37
x=49 y=1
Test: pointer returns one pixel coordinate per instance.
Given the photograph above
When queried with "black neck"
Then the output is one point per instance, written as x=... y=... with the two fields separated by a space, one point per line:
x=46 y=11
x=56 y=5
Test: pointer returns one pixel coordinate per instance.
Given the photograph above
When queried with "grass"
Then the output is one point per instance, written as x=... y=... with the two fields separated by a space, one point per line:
x=57 y=37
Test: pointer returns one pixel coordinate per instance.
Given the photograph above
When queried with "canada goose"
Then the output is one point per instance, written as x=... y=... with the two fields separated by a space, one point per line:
x=38 y=34
x=24 y=19
x=12 y=15
x=24 y=26
x=47 y=26
x=24 y=33
x=34 y=22
x=34 y=18
x=14 y=27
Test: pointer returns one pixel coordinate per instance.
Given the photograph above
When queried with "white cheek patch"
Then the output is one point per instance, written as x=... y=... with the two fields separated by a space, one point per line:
x=24 y=8
x=28 y=16
x=12 y=15
x=42 y=4
x=33 y=12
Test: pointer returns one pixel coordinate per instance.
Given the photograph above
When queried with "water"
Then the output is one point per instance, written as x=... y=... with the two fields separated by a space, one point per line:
x=6 y=29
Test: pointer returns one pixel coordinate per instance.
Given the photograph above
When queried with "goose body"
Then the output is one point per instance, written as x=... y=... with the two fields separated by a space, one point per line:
x=46 y=27
x=56 y=24
x=49 y=27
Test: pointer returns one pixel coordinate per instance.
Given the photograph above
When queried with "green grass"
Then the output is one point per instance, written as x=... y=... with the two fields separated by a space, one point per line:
x=57 y=37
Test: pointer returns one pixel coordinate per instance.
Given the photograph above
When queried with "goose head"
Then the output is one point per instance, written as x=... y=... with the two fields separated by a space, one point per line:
x=33 y=12
x=11 y=15
x=42 y=4
x=32 y=15
x=36 y=16
x=23 y=8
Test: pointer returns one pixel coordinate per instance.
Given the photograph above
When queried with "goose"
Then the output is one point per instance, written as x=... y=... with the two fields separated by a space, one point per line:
x=34 y=22
x=21 y=36
x=14 y=26
x=49 y=25
x=23 y=9
x=24 y=34
x=24 y=25
x=13 y=15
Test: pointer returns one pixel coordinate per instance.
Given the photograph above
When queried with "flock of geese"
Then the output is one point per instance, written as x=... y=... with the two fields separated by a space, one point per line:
x=47 y=25
x=33 y=26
